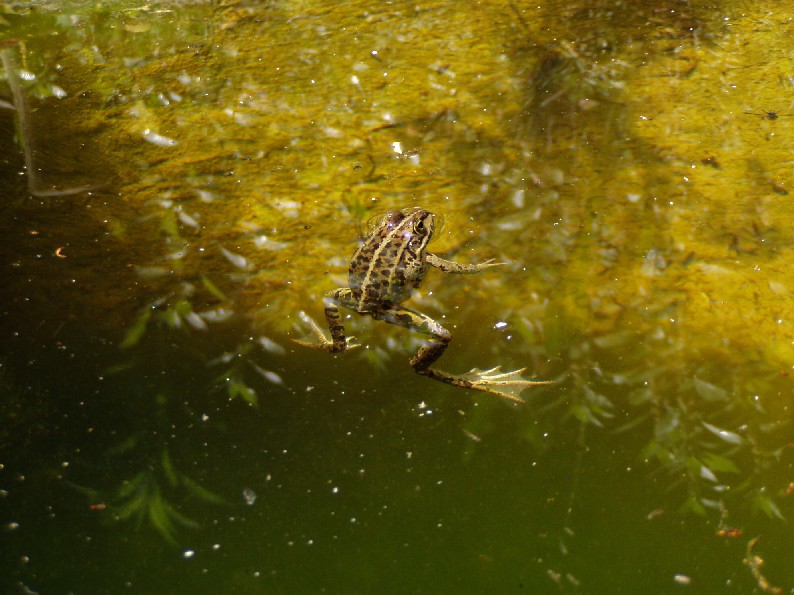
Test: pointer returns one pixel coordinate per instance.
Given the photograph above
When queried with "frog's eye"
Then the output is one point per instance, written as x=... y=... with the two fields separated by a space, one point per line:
x=424 y=225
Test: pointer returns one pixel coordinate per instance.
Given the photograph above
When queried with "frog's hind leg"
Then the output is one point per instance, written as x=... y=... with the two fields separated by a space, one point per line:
x=433 y=348
x=333 y=299
x=488 y=381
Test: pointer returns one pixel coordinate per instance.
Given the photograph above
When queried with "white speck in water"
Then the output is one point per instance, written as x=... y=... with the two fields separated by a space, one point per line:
x=682 y=579
x=249 y=496
x=187 y=554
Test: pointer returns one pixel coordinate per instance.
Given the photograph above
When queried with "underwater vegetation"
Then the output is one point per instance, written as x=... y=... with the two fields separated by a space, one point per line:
x=149 y=495
x=189 y=181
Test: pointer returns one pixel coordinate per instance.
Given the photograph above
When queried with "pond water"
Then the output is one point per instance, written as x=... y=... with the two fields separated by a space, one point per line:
x=186 y=180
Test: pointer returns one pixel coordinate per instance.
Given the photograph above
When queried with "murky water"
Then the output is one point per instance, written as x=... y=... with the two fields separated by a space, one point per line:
x=184 y=180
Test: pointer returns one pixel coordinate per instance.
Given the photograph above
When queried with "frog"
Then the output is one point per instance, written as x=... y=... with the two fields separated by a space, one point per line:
x=384 y=271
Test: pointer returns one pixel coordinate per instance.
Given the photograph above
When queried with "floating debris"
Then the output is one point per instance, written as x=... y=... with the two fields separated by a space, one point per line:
x=655 y=514
x=682 y=579
x=755 y=563
x=249 y=496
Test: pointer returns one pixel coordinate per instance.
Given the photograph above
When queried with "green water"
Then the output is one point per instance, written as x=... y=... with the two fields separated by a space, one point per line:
x=184 y=180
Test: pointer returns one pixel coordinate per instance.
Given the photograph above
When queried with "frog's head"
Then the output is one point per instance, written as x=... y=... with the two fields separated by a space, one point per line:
x=420 y=224
x=411 y=227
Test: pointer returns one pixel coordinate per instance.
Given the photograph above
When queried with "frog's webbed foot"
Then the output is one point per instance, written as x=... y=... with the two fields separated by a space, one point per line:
x=507 y=385
x=318 y=340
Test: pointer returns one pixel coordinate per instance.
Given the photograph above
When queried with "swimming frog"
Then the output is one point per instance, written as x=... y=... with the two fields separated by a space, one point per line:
x=383 y=272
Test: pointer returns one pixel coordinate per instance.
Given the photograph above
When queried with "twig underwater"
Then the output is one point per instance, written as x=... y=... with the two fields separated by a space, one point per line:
x=20 y=106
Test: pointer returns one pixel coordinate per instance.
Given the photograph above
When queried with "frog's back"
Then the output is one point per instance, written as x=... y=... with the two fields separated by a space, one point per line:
x=391 y=261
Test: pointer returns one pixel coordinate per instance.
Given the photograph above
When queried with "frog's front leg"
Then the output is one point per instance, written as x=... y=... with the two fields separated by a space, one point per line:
x=449 y=266
x=333 y=299
x=482 y=380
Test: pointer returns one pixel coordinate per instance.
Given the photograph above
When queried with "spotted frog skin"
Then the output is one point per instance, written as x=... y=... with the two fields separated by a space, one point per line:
x=383 y=272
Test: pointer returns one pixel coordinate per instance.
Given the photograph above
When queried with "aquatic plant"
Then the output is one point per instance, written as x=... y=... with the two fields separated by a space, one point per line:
x=142 y=498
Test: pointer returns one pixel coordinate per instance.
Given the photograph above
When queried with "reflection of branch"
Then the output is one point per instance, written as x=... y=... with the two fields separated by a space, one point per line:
x=754 y=563
x=20 y=106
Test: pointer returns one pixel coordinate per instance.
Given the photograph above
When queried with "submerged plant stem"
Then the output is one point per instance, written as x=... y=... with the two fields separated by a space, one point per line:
x=26 y=139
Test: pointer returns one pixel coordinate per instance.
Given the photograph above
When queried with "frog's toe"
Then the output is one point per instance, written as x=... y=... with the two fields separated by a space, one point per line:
x=317 y=338
x=504 y=384
x=507 y=385
x=494 y=376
